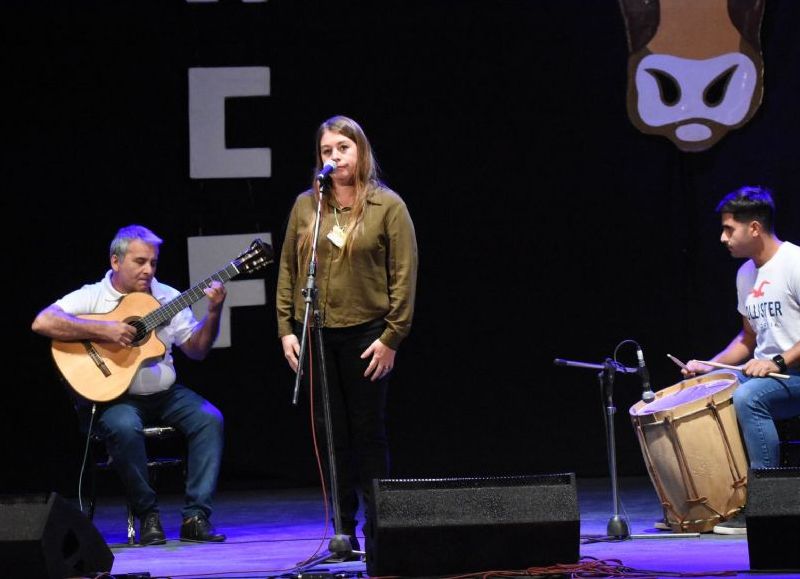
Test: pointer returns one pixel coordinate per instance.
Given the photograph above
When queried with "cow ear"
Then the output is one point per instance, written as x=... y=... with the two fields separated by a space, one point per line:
x=746 y=16
x=641 y=22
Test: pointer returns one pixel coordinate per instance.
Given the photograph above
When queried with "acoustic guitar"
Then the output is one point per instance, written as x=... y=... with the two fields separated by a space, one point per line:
x=101 y=371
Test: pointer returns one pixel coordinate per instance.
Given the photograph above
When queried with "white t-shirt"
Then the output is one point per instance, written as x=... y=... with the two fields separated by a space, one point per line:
x=101 y=298
x=769 y=297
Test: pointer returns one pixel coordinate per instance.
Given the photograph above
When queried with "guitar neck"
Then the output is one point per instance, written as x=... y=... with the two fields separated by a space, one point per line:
x=170 y=309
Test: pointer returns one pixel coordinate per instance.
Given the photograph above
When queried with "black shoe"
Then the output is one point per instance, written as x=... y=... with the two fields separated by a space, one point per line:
x=150 y=531
x=198 y=529
x=349 y=529
x=736 y=525
x=356 y=546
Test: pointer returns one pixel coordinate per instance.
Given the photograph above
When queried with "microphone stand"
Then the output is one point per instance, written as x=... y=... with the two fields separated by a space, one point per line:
x=339 y=547
x=617 y=527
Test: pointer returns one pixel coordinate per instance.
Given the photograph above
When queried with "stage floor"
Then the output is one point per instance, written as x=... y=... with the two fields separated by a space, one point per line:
x=271 y=531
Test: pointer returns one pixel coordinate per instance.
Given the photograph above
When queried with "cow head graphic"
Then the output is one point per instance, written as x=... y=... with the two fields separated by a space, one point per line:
x=695 y=70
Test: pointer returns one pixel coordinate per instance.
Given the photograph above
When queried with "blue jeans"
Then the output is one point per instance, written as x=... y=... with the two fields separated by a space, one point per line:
x=759 y=402
x=121 y=423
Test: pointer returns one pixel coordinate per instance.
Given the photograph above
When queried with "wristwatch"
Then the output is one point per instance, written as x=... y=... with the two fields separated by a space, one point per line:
x=782 y=367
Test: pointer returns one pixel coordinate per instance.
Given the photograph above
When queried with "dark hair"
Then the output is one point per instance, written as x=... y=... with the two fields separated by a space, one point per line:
x=750 y=204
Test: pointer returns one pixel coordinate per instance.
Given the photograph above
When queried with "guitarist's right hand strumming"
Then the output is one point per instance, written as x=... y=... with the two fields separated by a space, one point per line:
x=55 y=323
x=121 y=333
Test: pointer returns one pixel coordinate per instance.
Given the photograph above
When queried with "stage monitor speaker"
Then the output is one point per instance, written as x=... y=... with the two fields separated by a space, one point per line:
x=43 y=536
x=453 y=525
x=773 y=518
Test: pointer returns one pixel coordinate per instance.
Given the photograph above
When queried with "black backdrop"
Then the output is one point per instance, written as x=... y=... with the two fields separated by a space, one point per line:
x=547 y=225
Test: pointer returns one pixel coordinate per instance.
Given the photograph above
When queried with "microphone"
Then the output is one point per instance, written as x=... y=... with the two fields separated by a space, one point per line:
x=328 y=168
x=644 y=374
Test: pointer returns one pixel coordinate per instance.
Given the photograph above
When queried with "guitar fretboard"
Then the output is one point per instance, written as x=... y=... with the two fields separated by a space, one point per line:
x=170 y=309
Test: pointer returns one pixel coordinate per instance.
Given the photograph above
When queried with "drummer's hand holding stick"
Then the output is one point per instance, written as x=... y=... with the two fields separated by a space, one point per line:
x=757 y=368
x=696 y=368
x=693 y=368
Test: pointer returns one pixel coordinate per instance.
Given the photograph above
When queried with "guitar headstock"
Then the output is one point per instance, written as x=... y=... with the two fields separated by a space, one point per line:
x=254 y=257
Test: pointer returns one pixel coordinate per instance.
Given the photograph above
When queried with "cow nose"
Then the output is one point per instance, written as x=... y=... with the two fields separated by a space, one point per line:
x=693 y=132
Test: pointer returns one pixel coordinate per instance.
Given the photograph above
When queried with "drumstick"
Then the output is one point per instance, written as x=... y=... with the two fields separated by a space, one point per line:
x=678 y=362
x=729 y=367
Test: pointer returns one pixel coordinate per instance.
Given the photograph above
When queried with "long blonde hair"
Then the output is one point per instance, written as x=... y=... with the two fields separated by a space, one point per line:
x=366 y=179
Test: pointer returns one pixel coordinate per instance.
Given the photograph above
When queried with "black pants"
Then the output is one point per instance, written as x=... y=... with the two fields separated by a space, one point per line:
x=358 y=408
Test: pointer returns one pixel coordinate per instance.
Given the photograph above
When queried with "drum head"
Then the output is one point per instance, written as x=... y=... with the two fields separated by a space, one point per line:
x=683 y=393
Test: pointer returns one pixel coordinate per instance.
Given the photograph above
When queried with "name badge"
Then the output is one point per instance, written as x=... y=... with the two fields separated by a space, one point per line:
x=337 y=236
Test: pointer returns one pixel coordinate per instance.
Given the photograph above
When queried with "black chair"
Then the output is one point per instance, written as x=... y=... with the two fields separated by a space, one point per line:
x=156 y=437
x=99 y=461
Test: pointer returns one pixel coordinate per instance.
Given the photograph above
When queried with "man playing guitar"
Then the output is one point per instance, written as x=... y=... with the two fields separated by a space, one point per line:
x=106 y=343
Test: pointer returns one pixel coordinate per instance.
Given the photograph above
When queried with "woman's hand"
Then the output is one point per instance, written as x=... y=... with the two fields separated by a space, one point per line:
x=382 y=360
x=291 y=350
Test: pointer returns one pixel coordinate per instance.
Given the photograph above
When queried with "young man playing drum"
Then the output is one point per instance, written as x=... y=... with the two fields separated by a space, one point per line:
x=768 y=287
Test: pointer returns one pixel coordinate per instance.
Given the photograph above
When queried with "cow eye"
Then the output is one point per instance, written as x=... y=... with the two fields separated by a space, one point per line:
x=716 y=89
x=668 y=87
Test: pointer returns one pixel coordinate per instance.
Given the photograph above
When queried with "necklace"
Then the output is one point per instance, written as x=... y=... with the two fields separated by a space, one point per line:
x=336 y=218
x=338 y=234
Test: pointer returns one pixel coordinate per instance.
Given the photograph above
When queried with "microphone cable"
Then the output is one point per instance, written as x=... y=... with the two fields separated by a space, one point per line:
x=85 y=457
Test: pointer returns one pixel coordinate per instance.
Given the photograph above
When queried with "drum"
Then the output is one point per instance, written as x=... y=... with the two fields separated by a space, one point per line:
x=693 y=451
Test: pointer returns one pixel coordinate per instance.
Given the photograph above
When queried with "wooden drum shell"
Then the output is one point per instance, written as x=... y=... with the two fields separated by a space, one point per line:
x=694 y=452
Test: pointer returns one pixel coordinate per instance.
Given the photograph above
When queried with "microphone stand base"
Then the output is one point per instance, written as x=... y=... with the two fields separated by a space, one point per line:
x=617 y=528
x=340 y=550
x=666 y=536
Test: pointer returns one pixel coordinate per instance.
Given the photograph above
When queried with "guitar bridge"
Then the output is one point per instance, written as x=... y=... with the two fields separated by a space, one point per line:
x=96 y=358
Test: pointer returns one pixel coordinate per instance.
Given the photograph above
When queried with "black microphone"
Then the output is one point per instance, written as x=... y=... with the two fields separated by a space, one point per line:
x=644 y=374
x=328 y=168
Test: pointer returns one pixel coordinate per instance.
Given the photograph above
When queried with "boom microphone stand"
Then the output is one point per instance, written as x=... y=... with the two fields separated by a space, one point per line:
x=339 y=547
x=617 y=527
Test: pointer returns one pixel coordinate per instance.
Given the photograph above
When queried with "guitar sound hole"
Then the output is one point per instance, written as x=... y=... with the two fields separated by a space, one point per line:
x=141 y=331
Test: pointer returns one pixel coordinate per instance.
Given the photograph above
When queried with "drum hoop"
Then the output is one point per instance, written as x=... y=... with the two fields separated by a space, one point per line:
x=689 y=415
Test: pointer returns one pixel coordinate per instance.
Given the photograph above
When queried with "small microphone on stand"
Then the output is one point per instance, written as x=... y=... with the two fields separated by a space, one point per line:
x=644 y=374
x=328 y=168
